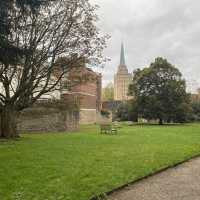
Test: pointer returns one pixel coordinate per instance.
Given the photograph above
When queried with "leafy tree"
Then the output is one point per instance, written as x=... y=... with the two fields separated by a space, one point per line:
x=108 y=92
x=127 y=111
x=160 y=92
x=195 y=103
x=33 y=34
x=195 y=115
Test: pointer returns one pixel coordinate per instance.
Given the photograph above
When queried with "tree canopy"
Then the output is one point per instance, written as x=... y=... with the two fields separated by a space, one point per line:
x=160 y=92
x=33 y=35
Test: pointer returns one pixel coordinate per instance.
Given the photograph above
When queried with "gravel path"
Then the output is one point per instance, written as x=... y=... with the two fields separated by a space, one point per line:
x=178 y=183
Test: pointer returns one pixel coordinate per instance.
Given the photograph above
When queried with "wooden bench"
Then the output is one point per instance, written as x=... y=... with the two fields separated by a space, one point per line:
x=107 y=128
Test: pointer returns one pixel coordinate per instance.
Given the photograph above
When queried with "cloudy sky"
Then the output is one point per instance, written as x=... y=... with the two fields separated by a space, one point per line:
x=152 y=28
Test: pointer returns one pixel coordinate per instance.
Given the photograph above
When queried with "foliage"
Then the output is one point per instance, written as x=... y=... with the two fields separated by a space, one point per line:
x=11 y=14
x=160 y=92
x=127 y=111
x=33 y=35
x=105 y=113
x=58 y=166
x=108 y=92
x=195 y=114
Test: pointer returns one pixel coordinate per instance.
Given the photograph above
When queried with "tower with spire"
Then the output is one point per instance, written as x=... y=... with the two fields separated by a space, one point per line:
x=122 y=79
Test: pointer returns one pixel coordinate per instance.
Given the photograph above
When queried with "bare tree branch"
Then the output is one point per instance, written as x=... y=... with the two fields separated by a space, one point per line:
x=59 y=28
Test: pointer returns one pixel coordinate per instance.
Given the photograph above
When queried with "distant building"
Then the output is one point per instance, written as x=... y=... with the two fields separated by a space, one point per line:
x=195 y=98
x=122 y=79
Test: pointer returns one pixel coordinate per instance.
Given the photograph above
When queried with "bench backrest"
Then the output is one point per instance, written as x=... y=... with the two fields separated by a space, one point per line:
x=105 y=126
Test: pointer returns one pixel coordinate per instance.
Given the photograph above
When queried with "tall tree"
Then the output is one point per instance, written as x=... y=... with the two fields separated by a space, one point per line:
x=160 y=92
x=33 y=34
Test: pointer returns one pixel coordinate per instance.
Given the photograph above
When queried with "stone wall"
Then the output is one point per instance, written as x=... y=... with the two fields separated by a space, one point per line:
x=39 y=119
x=92 y=116
x=88 y=116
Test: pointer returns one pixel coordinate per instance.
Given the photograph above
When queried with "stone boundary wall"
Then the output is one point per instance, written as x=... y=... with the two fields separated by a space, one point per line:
x=88 y=116
x=43 y=119
x=91 y=116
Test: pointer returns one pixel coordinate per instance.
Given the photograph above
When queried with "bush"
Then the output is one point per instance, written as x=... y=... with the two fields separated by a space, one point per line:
x=105 y=113
x=127 y=111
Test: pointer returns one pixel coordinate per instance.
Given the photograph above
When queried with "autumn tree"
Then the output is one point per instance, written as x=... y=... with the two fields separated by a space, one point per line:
x=33 y=34
x=160 y=92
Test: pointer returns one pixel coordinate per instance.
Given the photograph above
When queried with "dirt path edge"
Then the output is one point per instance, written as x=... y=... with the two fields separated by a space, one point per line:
x=104 y=195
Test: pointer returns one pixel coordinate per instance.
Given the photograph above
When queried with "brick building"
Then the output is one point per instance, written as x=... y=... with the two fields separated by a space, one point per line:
x=86 y=88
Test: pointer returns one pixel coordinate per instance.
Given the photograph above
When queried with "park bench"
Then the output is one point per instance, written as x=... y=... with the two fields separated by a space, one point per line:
x=107 y=128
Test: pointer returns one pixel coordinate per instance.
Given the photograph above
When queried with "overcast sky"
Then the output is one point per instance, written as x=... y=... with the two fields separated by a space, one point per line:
x=152 y=28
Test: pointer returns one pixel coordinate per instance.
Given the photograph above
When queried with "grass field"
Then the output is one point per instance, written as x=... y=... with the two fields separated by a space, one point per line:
x=81 y=165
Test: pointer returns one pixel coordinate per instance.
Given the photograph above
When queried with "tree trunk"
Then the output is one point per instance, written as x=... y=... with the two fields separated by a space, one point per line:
x=160 y=121
x=8 y=123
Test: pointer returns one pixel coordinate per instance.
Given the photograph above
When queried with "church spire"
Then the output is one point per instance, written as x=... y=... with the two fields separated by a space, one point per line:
x=122 y=69
x=122 y=57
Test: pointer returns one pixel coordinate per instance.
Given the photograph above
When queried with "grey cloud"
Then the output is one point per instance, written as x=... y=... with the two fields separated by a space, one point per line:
x=152 y=28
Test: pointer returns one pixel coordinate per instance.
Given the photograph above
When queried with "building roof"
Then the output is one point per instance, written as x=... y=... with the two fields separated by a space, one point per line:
x=122 y=56
x=122 y=69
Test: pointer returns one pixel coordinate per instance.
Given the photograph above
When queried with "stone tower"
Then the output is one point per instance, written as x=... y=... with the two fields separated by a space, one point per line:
x=122 y=79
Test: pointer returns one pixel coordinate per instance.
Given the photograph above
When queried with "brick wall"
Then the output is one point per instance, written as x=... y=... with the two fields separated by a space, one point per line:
x=88 y=93
x=89 y=87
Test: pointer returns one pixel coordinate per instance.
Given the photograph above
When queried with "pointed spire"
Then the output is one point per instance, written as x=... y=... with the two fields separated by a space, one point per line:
x=122 y=69
x=122 y=57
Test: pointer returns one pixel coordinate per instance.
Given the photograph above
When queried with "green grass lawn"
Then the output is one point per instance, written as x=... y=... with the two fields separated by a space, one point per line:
x=80 y=165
